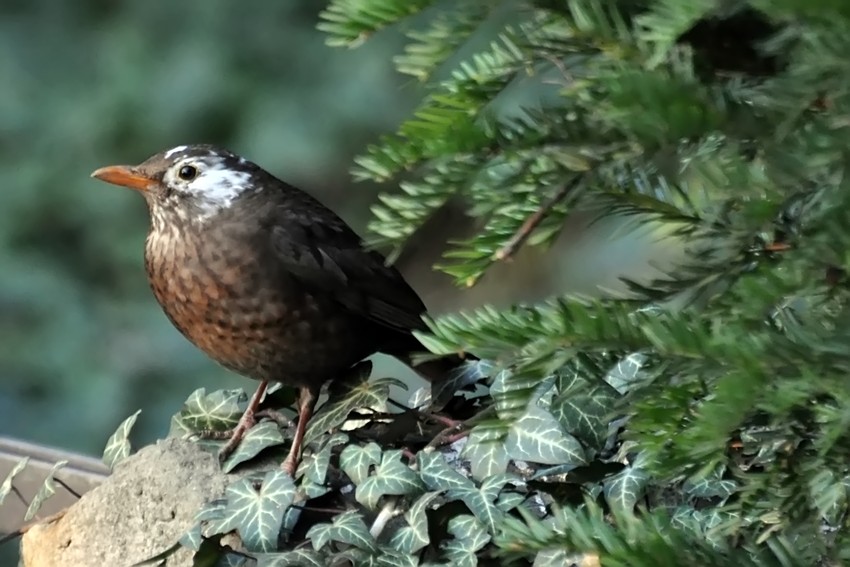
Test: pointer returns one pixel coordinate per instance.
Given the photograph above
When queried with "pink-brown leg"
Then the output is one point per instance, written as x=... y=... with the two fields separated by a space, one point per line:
x=246 y=422
x=306 y=403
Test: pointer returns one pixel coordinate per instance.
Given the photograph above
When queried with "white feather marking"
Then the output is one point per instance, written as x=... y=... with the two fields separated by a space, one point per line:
x=175 y=150
x=214 y=189
x=217 y=188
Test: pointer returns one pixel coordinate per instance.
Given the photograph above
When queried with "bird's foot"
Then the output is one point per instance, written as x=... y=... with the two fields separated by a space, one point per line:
x=246 y=422
x=278 y=417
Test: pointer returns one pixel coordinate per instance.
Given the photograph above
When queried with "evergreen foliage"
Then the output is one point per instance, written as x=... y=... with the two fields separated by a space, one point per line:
x=701 y=420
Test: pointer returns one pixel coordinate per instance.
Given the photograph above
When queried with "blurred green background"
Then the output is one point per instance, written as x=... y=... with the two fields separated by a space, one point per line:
x=95 y=82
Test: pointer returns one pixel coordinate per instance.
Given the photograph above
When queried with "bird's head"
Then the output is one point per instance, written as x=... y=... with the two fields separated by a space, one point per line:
x=190 y=183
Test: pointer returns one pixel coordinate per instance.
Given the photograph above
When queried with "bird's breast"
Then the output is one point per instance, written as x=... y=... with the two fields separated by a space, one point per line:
x=227 y=299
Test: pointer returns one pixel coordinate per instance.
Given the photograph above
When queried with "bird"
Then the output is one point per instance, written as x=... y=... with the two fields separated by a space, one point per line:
x=265 y=279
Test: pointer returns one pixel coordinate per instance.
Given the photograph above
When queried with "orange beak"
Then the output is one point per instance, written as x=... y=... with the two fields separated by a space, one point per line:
x=125 y=176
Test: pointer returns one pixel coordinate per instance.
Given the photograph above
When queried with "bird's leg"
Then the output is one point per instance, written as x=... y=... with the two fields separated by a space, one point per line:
x=306 y=403
x=246 y=422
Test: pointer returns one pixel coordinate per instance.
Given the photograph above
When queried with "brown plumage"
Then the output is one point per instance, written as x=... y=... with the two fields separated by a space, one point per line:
x=262 y=277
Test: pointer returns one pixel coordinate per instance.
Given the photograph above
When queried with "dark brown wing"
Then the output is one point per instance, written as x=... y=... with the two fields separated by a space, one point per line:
x=322 y=252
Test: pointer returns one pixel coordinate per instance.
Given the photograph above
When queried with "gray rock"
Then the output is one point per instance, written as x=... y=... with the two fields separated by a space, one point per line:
x=142 y=509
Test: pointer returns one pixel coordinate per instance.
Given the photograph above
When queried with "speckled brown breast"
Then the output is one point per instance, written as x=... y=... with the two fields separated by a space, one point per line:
x=217 y=290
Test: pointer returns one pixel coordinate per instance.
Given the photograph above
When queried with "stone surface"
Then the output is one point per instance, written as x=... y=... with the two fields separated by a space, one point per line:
x=142 y=509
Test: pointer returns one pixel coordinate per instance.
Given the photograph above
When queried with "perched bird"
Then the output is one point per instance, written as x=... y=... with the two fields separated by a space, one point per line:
x=263 y=278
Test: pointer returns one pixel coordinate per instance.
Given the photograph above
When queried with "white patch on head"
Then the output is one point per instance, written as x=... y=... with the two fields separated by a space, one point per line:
x=213 y=189
x=175 y=150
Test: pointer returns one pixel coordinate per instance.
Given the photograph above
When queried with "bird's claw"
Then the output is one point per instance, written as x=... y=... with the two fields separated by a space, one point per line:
x=246 y=422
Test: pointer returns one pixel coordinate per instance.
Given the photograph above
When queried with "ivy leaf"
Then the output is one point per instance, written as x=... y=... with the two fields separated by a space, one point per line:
x=624 y=489
x=6 y=486
x=356 y=460
x=626 y=373
x=333 y=413
x=509 y=501
x=420 y=398
x=118 y=445
x=218 y=411
x=314 y=467
x=213 y=554
x=459 y=377
x=438 y=475
x=584 y=412
x=294 y=558
x=391 y=558
x=213 y=511
x=470 y=536
x=391 y=477
x=485 y=450
x=347 y=527
x=262 y=436
x=481 y=501
x=48 y=489
x=414 y=536
x=258 y=515
x=537 y=437
x=559 y=558
x=712 y=485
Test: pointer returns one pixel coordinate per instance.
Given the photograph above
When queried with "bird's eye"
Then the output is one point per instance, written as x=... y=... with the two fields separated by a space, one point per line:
x=187 y=172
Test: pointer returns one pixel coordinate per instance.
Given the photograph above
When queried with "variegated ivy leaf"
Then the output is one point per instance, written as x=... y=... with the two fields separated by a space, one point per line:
x=347 y=528
x=470 y=537
x=705 y=522
x=485 y=450
x=314 y=467
x=118 y=445
x=262 y=436
x=584 y=409
x=438 y=475
x=392 y=558
x=414 y=536
x=626 y=373
x=509 y=501
x=537 y=437
x=356 y=461
x=392 y=477
x=482 y=501
x=712 y=485
x=257 y=514
x=204 y=524
x=48 y=489
x=624 y=489
x=561 y=557
x=420 y=398
x=363 y=394
x=218 y=411
x=459 y=378
x=6 y=486
x=294 y=558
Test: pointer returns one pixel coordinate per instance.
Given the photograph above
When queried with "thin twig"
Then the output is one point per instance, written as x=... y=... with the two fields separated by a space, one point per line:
x=446 y=421
x=459 y=430
x=64 y=485
x=777 y=247
x=26 y=527
x=333 y=511
x=533 y=221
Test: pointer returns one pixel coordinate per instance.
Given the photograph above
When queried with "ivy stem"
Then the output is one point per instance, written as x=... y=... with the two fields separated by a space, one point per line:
x=446 y=421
